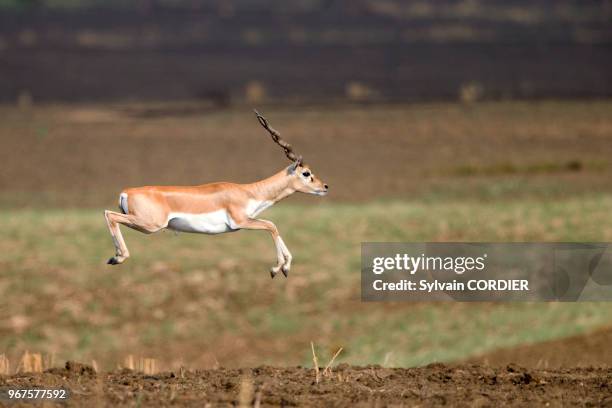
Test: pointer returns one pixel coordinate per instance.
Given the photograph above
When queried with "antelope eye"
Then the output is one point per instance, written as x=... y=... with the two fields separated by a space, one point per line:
x=306 y=174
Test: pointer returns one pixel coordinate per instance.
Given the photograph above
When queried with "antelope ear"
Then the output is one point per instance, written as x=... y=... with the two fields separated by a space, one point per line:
x=294 y=166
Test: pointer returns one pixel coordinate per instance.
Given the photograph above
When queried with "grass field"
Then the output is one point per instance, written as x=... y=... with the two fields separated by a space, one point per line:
x=509 y=171
x=200 y=301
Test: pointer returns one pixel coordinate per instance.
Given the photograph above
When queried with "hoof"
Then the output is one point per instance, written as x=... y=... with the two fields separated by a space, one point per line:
x=272 y=273
x=285 y=271
x=113 y=261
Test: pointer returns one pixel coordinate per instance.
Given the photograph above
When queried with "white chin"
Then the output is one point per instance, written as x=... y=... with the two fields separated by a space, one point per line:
x=320 y=193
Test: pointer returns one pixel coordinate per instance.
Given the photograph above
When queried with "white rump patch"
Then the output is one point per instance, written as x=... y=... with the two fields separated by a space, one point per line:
x=215 y=222
x=123 y=202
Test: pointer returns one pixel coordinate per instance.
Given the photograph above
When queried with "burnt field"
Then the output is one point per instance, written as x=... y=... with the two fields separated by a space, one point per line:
x=311 y=51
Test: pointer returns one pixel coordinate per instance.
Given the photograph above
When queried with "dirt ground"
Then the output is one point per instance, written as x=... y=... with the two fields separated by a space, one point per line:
x=592 y=349
x=484 y=381
x=541 y=376
x=432 y=385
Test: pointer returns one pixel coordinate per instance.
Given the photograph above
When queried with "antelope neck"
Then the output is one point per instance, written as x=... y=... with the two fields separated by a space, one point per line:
x=273 y=188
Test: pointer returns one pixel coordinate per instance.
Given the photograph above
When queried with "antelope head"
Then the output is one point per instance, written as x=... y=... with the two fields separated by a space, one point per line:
x=302 y=178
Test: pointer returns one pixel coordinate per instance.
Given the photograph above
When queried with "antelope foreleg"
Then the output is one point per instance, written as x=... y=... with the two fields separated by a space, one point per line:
x=282 y=254
x=287 y=255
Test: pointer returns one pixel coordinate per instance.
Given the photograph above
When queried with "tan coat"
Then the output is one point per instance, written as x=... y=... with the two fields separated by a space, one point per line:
x=210 y=208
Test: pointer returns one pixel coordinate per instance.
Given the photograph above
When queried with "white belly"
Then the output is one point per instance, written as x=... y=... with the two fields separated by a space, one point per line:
x=214 y=222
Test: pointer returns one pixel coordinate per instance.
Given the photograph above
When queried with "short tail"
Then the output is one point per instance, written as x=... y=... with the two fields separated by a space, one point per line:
x=123 y=203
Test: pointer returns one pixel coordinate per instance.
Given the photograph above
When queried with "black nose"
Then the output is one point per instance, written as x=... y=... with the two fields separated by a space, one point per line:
x=326 y=186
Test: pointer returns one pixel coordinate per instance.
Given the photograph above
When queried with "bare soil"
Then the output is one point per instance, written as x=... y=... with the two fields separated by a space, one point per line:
x=432 y=385
x=592 y=349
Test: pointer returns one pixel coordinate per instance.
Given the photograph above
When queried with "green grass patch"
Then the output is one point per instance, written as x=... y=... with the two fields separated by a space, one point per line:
x=197 y=298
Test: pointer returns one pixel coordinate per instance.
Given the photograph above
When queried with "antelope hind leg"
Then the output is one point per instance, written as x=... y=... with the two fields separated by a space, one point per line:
x=113 y=219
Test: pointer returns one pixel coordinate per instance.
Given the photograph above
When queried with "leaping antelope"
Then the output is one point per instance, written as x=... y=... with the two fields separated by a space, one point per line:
x=214 y=208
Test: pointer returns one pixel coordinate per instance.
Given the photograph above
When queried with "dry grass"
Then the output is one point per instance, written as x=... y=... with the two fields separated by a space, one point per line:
x=37 y=363
x=246 y=393
x=27 y=363
x=430 y=151
x=328 y=368
x=249 y=395
x=315 y=363
x=5 y=365
x=148 y=366
x=327 y=371
x=30 y=363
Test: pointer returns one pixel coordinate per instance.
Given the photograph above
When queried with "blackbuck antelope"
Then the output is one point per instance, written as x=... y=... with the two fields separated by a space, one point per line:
x=214 y=208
